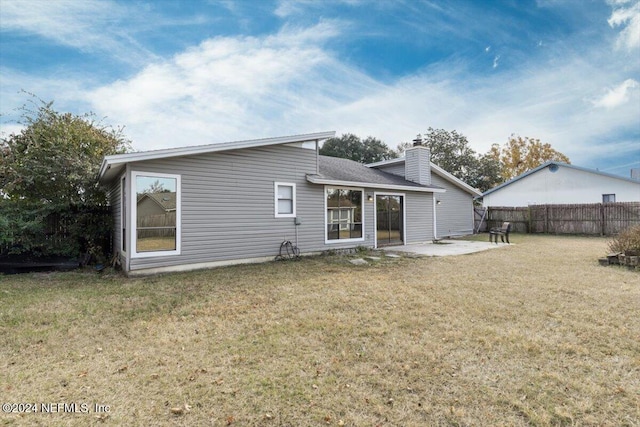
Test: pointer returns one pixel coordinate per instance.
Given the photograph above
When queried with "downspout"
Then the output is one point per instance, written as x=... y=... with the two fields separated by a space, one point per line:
x=435 y=223
x=317 y=157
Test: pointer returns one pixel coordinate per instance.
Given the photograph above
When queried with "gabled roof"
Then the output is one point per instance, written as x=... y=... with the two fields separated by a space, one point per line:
x=343 y=172
x=166 y=200
x=434 y=168
x=112 y=165
x=558 y=164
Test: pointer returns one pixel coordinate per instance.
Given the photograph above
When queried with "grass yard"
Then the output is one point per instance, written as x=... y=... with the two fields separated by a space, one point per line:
x=156 y=244
x=532 y=334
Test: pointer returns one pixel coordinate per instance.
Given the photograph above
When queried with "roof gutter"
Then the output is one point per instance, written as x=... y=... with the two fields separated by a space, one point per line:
x=319 y=180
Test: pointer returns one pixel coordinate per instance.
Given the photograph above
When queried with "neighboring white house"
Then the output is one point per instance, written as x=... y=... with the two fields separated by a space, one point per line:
x=561 y=183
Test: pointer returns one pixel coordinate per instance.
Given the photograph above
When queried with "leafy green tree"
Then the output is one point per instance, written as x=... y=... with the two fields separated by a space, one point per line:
x=156 y=187
x=56 y=157
x=49 y=169
x=519 y=155
x=486 y=174
x=350 y=146
x=451 y=151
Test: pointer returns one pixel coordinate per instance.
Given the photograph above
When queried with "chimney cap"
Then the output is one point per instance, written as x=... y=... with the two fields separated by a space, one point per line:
x=417 y=141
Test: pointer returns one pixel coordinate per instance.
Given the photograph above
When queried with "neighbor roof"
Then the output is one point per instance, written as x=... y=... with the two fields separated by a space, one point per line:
x=434 y=168
x=566 y=165
x=111 y=165
x=166 y=200
x=336 y=171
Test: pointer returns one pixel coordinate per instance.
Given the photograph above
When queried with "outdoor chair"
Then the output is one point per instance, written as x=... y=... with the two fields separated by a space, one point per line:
x=503 y=232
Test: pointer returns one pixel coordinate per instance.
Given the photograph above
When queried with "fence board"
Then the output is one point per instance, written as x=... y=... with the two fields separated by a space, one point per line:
x=163 y=225
x=517 y=216
x=480 y=219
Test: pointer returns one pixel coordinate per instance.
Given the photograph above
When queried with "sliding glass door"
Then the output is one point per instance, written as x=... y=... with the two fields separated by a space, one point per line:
x=389 y=220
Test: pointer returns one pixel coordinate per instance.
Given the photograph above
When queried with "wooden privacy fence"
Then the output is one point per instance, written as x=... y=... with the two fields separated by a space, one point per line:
x=163 y=225
x=604 y=219
x=66 y=229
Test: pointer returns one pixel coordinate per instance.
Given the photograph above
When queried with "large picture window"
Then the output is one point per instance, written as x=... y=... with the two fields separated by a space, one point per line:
x=156 y=212
x=344 y=214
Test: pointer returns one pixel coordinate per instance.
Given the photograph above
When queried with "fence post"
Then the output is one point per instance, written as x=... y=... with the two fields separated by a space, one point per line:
x=602 y=220
x=546 y=219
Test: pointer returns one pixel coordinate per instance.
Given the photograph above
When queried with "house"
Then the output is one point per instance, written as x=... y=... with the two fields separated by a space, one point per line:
x=453 y=209
x=238 y=201
x=561 y=183
x=159 y=203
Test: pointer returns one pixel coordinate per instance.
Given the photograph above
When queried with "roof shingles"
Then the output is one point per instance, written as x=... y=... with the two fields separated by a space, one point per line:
x=343 y=170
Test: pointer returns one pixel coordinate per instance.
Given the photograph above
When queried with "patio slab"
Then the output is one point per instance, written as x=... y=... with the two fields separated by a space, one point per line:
x=445 y=247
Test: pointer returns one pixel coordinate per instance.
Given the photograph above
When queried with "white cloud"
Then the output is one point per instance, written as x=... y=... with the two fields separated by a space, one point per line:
x=88 y=25
x=290 y=7
x=10 y=128
x=287 y=8
x=65 y=92
x=626 y=16
x=249 y=87
x=228 y=88
x=618 y=95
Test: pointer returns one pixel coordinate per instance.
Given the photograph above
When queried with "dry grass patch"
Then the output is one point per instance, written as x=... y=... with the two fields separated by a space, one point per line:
x=532 y=334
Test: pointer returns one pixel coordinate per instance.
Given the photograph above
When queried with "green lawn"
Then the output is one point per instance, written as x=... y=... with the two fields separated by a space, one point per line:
x=536 y=333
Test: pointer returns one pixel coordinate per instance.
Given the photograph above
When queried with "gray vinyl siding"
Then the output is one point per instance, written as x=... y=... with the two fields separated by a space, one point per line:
x=419 y=216
x=418 y=167
x=115 y=193
x=454 y=213
x=228 y=204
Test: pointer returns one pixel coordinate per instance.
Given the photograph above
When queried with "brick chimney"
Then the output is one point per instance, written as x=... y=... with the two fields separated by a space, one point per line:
x=417 y=163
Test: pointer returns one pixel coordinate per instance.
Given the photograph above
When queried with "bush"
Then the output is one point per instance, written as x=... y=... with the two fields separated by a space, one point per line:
x=43 y=230
x=627 y=242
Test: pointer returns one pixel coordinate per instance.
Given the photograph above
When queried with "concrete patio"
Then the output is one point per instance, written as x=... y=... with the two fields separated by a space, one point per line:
x=444 y=247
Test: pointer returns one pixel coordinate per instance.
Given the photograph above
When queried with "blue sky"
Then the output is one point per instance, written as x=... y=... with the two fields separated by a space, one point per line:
x=177 y=73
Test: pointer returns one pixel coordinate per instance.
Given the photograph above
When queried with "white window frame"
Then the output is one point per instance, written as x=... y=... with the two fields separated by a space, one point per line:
x=277 y=198
x=133 y=236
x=326 y=219
x=124 y=196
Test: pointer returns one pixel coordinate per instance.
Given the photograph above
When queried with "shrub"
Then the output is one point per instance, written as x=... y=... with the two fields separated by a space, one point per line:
x=47 y=230
x=627 y=241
